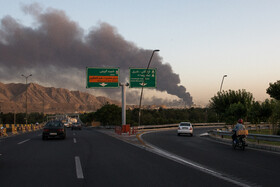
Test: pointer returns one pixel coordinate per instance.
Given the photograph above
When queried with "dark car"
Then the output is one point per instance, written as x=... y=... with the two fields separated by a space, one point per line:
x=76 y=126
x=55 y=129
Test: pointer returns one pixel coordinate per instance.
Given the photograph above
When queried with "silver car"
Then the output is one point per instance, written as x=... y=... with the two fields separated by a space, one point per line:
x=185 y=128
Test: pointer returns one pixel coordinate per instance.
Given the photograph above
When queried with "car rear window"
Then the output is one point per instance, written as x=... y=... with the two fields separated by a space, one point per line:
x=185 y=124
x=54 y=124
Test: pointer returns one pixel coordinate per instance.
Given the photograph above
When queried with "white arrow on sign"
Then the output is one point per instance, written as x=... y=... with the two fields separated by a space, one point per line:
x=103 y=84
x=143 y=84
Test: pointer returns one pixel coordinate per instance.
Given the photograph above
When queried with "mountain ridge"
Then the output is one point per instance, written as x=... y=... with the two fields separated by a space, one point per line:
x=48 y=99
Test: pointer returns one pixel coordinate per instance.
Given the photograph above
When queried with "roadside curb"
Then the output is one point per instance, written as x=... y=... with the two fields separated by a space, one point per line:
x=250 y=144
x=131 y=139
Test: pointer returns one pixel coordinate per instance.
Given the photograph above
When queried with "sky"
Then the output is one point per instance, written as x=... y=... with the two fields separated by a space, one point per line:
x=200 y=40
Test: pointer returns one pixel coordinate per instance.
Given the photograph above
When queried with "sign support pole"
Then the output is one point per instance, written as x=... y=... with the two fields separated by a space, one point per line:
x=124 y=103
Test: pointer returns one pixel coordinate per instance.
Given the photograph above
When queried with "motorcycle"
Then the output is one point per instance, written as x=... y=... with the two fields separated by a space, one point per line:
x=240 y=142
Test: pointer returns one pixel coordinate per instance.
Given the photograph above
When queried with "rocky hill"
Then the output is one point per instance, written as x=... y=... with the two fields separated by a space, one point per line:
x=47 y=99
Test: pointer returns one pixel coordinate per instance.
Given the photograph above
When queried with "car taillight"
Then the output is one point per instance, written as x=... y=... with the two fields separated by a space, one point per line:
x=190 y=128
x=46 y=130
x=60 y=130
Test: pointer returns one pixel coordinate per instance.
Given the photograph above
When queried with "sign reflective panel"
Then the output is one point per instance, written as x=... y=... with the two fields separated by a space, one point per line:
x=137 y=75
x=102 y=77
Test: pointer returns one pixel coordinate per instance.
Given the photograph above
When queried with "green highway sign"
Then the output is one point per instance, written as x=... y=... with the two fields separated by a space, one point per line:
x=137 y=75
x=102 y=77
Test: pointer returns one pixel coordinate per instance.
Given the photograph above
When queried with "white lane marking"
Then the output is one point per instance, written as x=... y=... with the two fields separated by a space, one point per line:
x=184 y=161
x=23 y=141
x=74 y=139
x=74 y=134
x=0 y=154
x=79 y=169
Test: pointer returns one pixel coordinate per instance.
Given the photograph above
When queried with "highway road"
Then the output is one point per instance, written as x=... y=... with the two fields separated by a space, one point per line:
x=91 y=158
x=251 y=167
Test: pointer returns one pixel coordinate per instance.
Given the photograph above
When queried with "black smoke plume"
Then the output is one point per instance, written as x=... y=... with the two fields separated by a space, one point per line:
x=57 y=51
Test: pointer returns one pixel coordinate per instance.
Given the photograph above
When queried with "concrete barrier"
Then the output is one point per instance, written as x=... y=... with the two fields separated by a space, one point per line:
x=29 y=128
x=14 y=130
x=23 y=129
x=4 y=132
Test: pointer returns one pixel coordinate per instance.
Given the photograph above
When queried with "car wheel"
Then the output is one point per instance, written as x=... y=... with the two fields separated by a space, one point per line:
x=44 y=137
x=178 y=134
x=191 y=134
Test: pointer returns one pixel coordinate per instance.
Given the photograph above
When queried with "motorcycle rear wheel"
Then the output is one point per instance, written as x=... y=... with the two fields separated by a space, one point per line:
x=243 y=147
x=233 y=145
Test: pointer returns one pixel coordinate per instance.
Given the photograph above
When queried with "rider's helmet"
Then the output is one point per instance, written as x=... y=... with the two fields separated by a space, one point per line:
x=240 y=121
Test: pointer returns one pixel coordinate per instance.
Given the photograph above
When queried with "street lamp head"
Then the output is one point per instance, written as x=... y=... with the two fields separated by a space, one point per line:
x=156 y=50
x=225 y=75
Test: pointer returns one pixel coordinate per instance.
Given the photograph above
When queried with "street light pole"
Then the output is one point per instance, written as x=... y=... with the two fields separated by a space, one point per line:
x=139 y=119
x=222 y=82
x=26 y=77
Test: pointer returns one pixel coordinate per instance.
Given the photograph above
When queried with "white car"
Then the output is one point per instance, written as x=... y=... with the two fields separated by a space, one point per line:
x=185 y=128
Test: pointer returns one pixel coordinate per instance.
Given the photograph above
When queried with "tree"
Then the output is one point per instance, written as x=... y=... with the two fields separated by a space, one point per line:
x=254 y=113
x=275 y=117
x=221 y=102
x=274 y=90
x=266 y=110
x=87 y=117
x=109 y=114
x=235 y=111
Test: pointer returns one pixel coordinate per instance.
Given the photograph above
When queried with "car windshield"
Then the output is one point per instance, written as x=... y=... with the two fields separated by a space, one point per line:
x=54 y=124
x=185 y=124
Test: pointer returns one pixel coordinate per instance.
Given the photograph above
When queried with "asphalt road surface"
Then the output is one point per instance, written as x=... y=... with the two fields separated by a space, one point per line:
x=252 y=167
x=91 y=158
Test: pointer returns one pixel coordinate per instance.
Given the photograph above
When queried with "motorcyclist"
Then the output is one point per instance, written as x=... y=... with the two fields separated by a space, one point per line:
x=238 y=126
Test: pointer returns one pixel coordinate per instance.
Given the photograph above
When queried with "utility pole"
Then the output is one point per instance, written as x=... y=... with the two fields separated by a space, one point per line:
x=0 y=113
x=139 y=116
x=26 y=77
x=14 y=116
x=222 y=82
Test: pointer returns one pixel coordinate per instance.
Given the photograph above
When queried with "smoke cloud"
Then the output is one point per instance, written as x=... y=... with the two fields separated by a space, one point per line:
x=57 y=51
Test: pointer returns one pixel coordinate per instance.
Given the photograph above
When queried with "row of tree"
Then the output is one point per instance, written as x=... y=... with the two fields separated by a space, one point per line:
x=20 y=118
x=111 y=114
x=231 y=105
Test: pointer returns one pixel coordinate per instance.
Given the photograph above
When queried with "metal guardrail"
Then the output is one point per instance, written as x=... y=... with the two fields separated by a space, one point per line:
x=270 y=138
x=176 y=125
x=166 y=126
